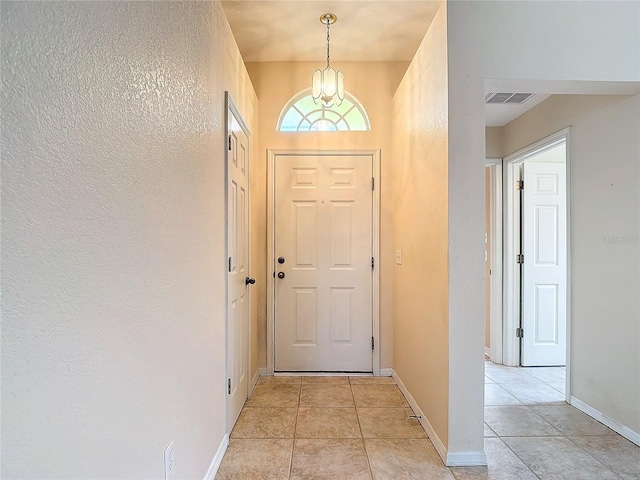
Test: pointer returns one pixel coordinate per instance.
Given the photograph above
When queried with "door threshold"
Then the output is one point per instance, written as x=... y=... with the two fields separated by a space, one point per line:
x=323 y=374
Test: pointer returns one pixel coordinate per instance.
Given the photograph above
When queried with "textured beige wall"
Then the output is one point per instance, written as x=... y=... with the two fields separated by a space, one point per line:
x=421 y=335
x=373 y=84
x=493 y=142
x=605 y=230
x=113 y=244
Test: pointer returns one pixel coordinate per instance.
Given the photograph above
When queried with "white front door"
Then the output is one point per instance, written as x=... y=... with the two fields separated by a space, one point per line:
x=237 y=267
x=544 y=282
x=323 y=267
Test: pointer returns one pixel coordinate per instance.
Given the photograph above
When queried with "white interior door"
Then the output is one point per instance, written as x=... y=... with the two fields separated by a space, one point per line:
x=544 y=282
x=238 y=251
x=323 y=268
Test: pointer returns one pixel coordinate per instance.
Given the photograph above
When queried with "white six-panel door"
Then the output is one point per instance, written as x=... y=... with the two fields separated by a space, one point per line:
x=323 y=287
x=237 y=267
x=544 y=282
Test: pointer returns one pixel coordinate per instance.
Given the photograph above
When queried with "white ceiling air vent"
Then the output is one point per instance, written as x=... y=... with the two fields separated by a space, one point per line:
x=507 y=98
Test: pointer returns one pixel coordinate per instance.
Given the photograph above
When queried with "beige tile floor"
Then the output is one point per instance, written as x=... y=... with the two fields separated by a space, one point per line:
x=360 y=428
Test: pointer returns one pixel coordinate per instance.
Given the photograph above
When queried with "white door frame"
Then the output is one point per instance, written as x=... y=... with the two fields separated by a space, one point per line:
x=271 y=259
x=512 y=247
x=230 y=106
x=495 y=234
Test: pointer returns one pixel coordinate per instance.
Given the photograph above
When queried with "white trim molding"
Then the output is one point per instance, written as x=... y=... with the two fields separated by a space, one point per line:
x=386 y=372
x=623 y=430
x=431 y=433
x=260 y=372
x=217 y=459
x=254 y=381
x=466 y=459
x=450 y=459
x=495 y=234
x=271 y=260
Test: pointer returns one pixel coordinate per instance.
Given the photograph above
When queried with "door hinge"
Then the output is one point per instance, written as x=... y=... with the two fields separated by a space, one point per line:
x=373 y=343
x=229 y=143
x=229 y=386
x=520 y=185
x=373 y=183
x=519 y=258
x=373 y=263
x=519 y=332
x=229 y=263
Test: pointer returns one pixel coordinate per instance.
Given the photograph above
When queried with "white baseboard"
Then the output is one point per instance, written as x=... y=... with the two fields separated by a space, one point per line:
x=254 y=382
x=450 y=459
x=431 y=433
x=260 y=372
x=487 y=352
x=386 y=372
x=466 y=459
x=626 y=432
x=217 y=459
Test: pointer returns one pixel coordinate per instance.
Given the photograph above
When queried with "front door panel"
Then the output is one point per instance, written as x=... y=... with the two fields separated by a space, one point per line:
x=323 y=235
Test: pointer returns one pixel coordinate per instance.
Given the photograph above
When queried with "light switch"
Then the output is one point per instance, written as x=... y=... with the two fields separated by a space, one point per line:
x=398 y=257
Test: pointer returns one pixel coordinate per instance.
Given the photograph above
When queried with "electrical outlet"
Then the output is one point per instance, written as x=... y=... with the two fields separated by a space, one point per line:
x=169 y=462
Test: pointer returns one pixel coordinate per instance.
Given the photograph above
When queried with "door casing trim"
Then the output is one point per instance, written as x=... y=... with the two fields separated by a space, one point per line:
x=495 y=233
x=271 y=260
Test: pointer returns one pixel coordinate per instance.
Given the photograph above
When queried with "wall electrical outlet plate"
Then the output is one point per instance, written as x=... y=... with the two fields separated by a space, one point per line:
x=169 y=463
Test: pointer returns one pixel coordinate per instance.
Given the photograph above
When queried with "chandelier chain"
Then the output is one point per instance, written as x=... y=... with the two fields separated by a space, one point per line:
x=328 y=38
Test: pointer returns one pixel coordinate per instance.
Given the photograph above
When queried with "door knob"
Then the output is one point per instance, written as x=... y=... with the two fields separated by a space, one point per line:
x=249 y=281
x=281 y=260
x=280 y=274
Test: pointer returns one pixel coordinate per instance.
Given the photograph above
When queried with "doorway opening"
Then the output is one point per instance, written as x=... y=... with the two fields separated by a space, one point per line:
x=536 y=254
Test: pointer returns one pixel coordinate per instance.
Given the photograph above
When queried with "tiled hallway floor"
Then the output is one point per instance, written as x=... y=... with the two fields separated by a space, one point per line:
x=360 y=428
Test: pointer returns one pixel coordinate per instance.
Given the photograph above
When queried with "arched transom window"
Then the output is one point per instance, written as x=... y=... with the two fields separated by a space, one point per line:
x=301 y=114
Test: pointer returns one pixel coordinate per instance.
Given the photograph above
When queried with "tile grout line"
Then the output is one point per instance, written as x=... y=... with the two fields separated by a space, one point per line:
x=295 y=428
x=531 y=407
x=562 y=435
x=544 y=381
x=500 y=438
x=518 y=457
x=589 y=454
x=364 y=445
x=508 y=393
x=555 y=436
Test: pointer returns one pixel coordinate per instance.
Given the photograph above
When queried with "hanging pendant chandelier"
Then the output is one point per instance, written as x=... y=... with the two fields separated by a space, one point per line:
x=328 y=84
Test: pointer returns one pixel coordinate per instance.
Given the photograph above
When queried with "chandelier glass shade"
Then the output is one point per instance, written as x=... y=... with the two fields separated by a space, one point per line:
x=328 y=84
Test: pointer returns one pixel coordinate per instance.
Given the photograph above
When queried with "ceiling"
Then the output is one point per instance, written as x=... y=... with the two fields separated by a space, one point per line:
x=270 y=31
x=366 y=30
x=499 y=115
